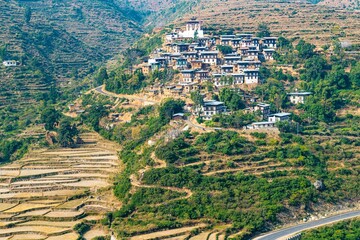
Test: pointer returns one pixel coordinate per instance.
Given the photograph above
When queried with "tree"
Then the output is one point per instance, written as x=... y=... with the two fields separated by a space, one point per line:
x=263 y=30
x=170 y=107
x=284 y=43
x=355 y=76
x=95 y=113
x=102 y=76
x=67 y=132
x=224 y=49
x=50 y=116
x=231 y=99
x=27 y=14
x=305 y=50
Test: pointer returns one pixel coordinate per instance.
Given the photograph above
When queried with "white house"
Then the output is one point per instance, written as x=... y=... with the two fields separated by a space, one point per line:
x=10 y=63
x=298 y=97
x=264 y=108
x=211 y=108
x=193 y=29
x=210 y=57
x=279 y=117
x=251 y=76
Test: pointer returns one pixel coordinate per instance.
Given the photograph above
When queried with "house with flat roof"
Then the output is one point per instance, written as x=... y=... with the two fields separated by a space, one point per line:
x=188 y=75
x=10 y=63
x=269 y=42
x=264 y=108
x=210 y=57
x=211 y=108
x=269 y=53
x=298 y=97
x=251 y=76
x=227 y=68
x=279 y=117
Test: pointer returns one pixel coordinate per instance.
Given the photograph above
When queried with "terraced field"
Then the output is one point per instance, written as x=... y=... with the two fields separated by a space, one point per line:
x=45 y=194
x=293 y=19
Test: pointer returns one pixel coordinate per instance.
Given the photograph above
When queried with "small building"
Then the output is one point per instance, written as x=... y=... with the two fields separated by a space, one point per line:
x=181 y=63
x=298 y=97
x=190 y=55
x=269 y=53
x=10 y=63
x=260 y=125
x=251 y=76
x=180 y=47
x=239 y=78
x=269 y=42
x=187 y=87
x=231 y=60
x=227 y=68
x=201 y=75
x=197 y=64
x=279 y=117
x=211 y=108
x=264 y=108
x=210 y=57
x=188 y=75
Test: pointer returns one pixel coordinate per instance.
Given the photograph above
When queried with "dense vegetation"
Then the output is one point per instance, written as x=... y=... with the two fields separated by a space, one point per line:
x=341 y=231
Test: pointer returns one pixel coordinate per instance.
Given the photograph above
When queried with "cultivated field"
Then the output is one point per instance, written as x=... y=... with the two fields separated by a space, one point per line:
x=45 y=194
x=316 y=23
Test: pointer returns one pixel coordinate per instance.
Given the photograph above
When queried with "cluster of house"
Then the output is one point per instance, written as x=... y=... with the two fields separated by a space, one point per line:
x=272 y=119
x=199 y=60
x=202 y=59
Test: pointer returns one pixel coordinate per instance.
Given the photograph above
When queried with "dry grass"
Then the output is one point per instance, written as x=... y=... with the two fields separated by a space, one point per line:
x=314 y=23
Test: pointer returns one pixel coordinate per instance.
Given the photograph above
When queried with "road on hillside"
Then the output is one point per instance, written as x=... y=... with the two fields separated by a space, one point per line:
x=287 y=232
x=110 y=94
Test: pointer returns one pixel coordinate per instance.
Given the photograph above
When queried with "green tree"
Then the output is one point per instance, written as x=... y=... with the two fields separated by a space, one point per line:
x=27 y=14
x=50 y=116
x=263 y=30
x=102 y=76
x=305 y=50
x=169 y=108
x=224 y=49
x=231 y=99
x=355 y=76
x=66 y=133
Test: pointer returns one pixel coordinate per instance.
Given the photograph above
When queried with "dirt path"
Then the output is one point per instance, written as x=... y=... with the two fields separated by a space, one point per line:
x=136 y=182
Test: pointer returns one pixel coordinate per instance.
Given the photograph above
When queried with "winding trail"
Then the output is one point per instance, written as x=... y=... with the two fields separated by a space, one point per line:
x=136 y=182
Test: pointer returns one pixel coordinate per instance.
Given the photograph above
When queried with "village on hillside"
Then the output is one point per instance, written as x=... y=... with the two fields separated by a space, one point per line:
x=201 y=61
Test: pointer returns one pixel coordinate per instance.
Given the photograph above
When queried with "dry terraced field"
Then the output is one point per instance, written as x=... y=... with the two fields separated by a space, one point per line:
x=37 y=192
x=315 y=23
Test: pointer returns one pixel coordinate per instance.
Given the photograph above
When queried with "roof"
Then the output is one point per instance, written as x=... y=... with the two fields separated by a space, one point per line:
x=300 y=93
x=262 y=123
x=232 y=57
x=227 y=66
x=213 y=103
x=281 y=114
x=188 y=71
x=251 y=70
x=209 y=52
x=263 y=105
x=178 y=115
x=269 y=50
x=270 y=38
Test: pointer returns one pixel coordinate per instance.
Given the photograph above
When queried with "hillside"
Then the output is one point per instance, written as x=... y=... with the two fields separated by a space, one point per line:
x=313 y=22
x=346 y=4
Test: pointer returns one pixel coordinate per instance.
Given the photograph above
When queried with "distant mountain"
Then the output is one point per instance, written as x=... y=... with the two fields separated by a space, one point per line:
x=63 y=40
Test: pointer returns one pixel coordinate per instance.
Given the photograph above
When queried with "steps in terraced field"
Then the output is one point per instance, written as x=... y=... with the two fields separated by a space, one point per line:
x=34 y=191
